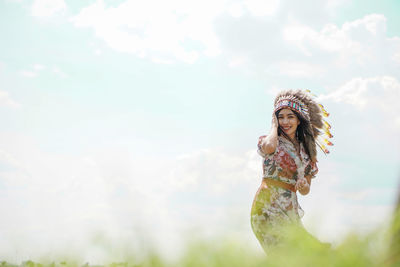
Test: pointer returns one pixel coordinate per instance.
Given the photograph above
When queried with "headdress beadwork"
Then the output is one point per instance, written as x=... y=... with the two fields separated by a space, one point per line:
x=290 y=101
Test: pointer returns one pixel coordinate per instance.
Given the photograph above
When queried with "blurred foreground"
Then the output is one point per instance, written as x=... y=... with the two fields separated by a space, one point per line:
x=378 y=248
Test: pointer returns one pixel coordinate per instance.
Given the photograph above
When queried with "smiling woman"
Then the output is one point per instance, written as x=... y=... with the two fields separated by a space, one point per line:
x=290 y=158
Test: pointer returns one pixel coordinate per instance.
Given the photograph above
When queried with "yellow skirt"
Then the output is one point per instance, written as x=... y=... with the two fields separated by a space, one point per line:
x=272 y=208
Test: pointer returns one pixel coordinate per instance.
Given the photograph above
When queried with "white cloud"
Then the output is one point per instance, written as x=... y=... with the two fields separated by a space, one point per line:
x=47 y=8
x=9 y=159
x=236 y=10
x=295 y=32
x=377 y=95
x=28 y=73
x=59 y=72
x=396 y=57
x=361 y=42
x=332 y=211
x=295 y=47
x=7 y=101
x=365 y=194
x=215 y=170
x=237 y=62
x=332 y=4
x=74 y=199
x=374 y=24
x=174 y=31
x=185 y=31
x=261 y=8
x=36 y=69
x=296 y=69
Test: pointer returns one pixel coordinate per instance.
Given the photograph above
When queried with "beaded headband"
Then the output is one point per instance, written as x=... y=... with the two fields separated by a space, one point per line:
x=293 y=103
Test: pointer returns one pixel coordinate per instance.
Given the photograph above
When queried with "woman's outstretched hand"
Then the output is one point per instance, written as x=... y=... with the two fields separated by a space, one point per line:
x=302 y=186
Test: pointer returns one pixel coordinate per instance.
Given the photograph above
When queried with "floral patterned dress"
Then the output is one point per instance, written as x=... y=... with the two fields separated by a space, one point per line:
x=275 y=206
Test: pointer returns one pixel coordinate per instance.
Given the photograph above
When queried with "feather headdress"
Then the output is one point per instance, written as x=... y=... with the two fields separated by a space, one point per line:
x=304 y=104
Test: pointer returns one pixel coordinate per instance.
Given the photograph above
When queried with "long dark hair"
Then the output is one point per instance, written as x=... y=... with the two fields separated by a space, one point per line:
x=303 y=132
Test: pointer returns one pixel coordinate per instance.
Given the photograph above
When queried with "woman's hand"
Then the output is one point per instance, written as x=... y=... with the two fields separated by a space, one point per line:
x=269 y=143
x=302 y=186
x=274 y=122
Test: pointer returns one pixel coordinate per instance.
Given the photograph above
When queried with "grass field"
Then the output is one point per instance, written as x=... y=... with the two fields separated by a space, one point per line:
x=378 y=248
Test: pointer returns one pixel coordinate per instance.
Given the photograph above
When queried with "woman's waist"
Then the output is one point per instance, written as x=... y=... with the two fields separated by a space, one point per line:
x=280 y=179
x=278 y=183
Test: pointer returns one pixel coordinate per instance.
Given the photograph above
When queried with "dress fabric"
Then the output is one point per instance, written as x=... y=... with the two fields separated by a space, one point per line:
x=274 y=206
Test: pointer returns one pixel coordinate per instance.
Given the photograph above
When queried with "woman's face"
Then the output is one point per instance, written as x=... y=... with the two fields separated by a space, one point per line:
x=288 y=122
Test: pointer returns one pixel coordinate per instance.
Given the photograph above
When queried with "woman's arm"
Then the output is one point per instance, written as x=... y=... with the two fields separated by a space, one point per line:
x=308 y=178
x=303 y=186
x=268 y=145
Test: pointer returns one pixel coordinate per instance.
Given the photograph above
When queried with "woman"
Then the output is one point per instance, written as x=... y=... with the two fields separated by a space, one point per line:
x=290 y=163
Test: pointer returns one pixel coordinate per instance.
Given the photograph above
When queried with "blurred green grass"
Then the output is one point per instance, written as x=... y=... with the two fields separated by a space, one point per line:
x=380 y=247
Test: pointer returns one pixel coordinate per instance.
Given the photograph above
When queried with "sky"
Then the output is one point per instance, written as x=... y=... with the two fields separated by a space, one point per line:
x=130 y=125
